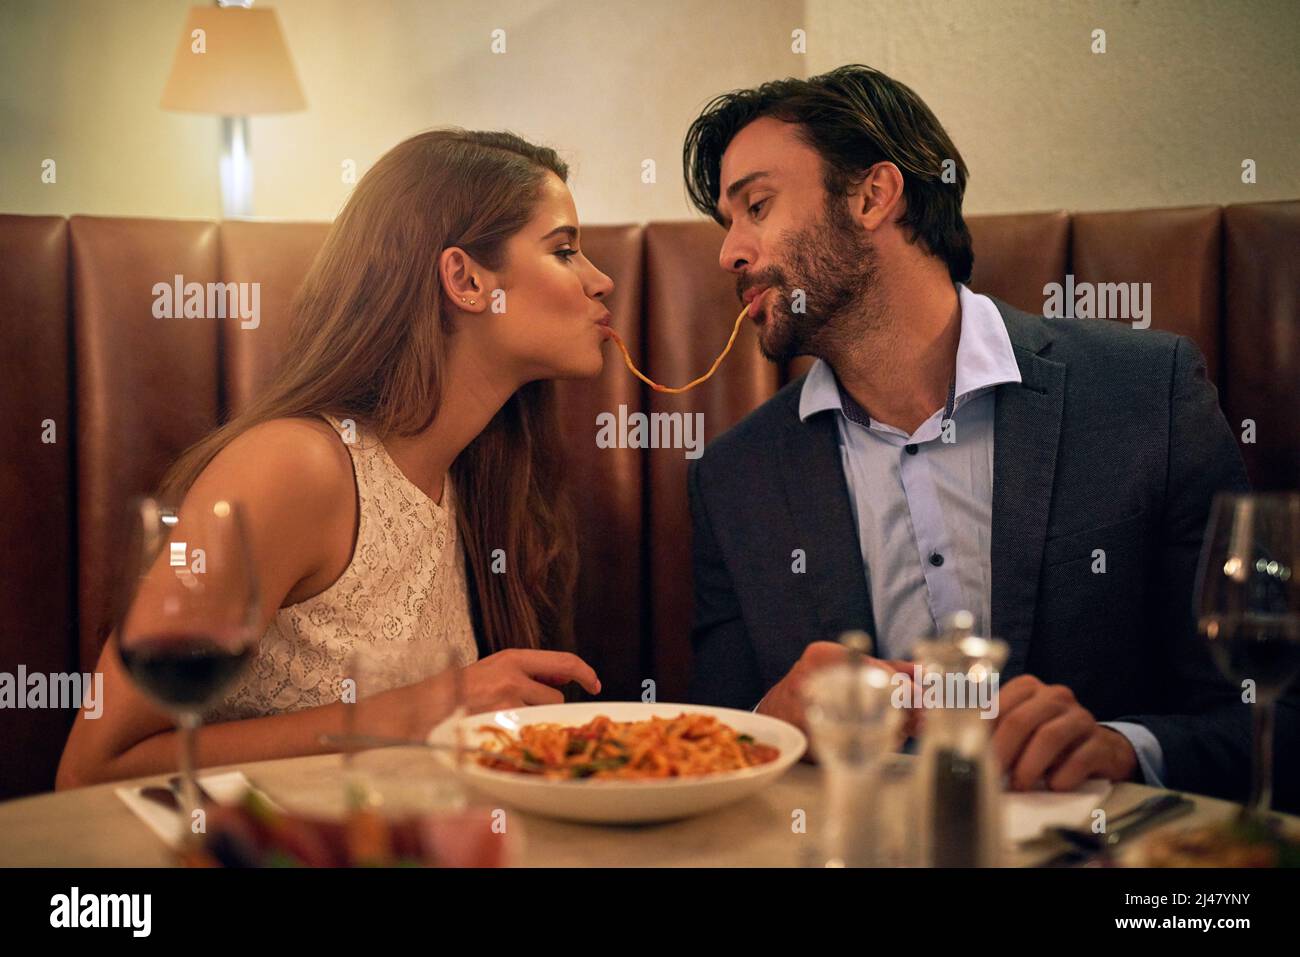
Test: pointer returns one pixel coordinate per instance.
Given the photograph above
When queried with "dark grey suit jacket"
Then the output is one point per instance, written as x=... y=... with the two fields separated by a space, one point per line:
x=1112 y=440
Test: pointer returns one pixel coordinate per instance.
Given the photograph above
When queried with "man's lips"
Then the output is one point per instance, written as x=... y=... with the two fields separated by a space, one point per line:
x=756 y=302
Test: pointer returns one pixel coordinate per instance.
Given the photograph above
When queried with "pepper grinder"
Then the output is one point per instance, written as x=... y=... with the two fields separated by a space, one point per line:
x=958 y=779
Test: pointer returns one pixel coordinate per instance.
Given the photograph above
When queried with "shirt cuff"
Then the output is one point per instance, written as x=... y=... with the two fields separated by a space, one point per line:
x=1151 y=757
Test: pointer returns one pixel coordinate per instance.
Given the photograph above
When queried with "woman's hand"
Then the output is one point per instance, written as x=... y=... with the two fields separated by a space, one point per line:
x=513 y=678
x=518 y=677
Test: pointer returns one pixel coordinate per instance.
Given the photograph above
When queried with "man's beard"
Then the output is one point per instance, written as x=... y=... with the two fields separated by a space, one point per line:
x=833 y=263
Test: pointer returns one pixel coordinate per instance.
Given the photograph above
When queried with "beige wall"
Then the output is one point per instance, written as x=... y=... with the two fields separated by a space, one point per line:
x=1184 y=93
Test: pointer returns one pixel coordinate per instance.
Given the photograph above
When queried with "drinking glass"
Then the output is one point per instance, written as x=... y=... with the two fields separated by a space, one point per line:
x=853 y=726
x=1248 y=609
x=395 y=700
x=190 y=598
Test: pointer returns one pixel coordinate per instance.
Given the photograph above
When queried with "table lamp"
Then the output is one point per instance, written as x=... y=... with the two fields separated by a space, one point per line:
x=232 y=60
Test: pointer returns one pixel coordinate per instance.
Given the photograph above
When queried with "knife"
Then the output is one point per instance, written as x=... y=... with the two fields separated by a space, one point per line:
x=1088 y=846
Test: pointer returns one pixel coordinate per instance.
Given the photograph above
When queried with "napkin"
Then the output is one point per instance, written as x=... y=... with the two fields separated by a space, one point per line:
x=226 y=788
x=1027 y=813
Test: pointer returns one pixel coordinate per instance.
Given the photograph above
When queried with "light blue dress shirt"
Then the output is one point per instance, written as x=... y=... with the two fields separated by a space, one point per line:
x=923 y=503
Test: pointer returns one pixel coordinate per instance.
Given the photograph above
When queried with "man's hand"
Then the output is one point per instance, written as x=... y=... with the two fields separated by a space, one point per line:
x=785 y=699
x=1043 y=733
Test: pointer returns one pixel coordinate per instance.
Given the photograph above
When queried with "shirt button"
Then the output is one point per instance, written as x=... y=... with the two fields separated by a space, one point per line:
x=936 y=559
x=909 y=449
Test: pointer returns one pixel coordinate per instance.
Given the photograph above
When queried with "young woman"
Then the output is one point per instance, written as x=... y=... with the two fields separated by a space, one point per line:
x=410 y=427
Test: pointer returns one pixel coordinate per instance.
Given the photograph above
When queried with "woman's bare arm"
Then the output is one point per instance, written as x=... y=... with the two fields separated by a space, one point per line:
x=294 y=481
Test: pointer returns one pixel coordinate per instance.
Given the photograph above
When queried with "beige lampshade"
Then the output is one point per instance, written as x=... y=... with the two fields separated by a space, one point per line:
x=245 y=67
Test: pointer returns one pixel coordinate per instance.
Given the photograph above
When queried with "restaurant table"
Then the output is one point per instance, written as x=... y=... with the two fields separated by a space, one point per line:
x=92 y=827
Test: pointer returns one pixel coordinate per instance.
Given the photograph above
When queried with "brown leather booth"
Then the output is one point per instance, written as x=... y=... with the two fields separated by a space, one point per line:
x=126 y=392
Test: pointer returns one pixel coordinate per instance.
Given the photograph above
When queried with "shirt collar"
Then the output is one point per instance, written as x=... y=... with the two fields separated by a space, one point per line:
x=984 y=358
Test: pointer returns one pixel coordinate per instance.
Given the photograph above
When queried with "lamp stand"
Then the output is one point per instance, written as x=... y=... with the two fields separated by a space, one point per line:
x=236 y=168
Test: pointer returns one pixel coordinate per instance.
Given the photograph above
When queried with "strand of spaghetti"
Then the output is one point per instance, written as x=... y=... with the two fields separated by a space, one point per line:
x=627 y=358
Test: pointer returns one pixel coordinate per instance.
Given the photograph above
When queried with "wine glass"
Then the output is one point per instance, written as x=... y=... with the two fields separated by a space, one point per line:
x=1248 y=609
x=395 y=700
x=191 y=609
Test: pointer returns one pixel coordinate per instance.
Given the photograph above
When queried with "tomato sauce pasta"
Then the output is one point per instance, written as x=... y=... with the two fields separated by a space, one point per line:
x=689 y=744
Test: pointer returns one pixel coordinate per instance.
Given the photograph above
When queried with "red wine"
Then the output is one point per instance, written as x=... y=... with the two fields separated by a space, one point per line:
x=1262 y=648
x=185 y=672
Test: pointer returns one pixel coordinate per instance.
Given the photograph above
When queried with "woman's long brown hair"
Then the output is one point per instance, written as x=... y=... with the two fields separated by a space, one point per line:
x=368 y=341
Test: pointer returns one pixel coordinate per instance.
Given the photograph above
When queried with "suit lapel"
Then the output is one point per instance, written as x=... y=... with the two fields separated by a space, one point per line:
x=818 y=498
x=1027 y=429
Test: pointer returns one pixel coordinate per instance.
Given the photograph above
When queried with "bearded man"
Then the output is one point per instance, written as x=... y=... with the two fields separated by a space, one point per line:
x=948 y=452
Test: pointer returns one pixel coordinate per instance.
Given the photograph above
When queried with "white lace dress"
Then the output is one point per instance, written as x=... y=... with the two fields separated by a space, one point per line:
x=402 y=602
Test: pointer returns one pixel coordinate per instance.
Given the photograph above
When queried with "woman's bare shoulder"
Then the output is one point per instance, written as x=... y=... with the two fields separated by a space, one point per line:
x=294 y=479
x=299 y=462
x=308 y=448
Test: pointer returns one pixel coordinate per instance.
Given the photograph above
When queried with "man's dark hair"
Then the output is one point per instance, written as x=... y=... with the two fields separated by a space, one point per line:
x=854 y=117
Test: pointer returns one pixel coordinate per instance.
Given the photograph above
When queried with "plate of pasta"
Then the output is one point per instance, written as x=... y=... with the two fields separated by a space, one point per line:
x=619 y=762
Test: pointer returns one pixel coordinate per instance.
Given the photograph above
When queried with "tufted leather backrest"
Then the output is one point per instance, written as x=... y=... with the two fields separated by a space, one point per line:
x=1261 y=337
x=277 y=257
x=146 y=387
x=690 y=307
x=609 y=484
x=128 y=391
x=38 y=565
x=1177 y=251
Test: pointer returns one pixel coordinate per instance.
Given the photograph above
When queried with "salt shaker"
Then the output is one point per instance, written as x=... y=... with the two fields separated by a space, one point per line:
x=853 y=726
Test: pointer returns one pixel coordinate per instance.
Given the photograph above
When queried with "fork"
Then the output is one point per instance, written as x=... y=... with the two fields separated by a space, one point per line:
x=376 y=741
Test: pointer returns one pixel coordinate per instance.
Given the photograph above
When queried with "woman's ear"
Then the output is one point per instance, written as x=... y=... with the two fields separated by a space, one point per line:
x=464 y=281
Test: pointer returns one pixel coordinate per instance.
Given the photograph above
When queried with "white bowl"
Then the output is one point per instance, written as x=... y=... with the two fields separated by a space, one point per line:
x=613 y=801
